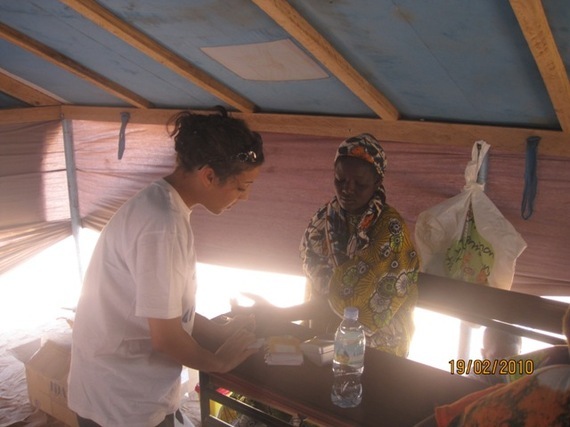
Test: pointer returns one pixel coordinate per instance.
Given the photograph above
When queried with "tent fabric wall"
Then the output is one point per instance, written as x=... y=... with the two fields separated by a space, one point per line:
x=33 y=190
x=264 y=232
x=105 y=182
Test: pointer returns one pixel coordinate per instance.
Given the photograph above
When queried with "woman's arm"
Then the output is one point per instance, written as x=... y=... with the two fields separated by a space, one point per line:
x=267 y=314
x=168 y=337
x=212 y=333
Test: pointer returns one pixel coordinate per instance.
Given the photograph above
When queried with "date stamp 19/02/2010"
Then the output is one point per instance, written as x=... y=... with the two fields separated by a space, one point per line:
x=491 y=367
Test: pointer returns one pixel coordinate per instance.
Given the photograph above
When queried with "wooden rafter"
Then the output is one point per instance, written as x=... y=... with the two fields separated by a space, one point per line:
x=110 y=22
x=70 y=65
x=28 y=94
x=292 y=22
x=534 y=24
x=512 y=139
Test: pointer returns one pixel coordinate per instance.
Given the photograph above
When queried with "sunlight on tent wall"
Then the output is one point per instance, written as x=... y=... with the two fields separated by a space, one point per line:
x=35 y=292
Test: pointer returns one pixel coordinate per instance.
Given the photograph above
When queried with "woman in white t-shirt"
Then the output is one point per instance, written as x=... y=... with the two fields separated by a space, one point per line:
x=135 y=325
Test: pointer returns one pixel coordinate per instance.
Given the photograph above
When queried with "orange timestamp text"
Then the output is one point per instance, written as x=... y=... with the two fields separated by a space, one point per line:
x=491 y=367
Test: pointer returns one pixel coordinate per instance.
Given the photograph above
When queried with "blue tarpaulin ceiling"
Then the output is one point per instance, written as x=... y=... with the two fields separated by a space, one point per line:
x=456 y=61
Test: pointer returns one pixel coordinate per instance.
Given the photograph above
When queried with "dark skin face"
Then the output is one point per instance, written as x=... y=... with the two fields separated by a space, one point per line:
x=355 y=181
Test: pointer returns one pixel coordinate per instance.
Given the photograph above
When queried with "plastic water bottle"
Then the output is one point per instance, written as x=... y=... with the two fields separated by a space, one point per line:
x=348 y=360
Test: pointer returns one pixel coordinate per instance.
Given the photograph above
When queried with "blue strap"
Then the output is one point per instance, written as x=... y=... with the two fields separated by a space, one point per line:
x=530 y=178
x=482 y=174
x=124 y=120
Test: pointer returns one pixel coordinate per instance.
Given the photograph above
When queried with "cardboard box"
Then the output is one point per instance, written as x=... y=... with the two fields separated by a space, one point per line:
x=25 y=351
x=46 y=375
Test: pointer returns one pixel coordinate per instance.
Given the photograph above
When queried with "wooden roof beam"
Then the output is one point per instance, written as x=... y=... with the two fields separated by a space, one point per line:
x=292 y=22
x=24 y=92
x=62 y=61
x=30 y=114
x=130 y=35
x=512 y=139
x=534 y=24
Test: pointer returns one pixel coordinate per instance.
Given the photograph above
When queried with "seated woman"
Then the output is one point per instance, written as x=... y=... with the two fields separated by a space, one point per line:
x=497 y=345
x=540 y=399
x=502 y=345
x=357 y=251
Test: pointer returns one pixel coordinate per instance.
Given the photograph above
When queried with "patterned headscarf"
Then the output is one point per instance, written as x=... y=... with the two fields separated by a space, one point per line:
x=364 y=147
x=327 y=242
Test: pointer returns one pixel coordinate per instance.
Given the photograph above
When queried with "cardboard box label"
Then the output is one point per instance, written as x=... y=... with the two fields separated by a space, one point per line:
x=46 y=375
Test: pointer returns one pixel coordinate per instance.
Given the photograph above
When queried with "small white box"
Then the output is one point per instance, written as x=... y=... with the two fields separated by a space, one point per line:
x=319 y=351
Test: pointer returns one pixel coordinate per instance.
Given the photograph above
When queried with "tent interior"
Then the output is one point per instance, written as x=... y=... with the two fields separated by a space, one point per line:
x=87 y=88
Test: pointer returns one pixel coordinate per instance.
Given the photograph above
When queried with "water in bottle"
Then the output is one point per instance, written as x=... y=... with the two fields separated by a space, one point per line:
x=348 y=361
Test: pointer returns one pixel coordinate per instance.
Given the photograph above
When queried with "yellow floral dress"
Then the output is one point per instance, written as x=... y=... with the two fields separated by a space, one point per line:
x=371 y=264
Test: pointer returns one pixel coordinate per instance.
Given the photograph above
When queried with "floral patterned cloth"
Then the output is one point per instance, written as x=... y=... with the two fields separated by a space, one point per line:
x=541 y=399
x=373 y=267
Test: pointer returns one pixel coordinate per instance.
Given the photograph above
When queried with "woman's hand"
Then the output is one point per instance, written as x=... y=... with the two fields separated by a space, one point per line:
x=260 y=305
x=168 y=337
x=235 y=323
x=236 y=349
x=266 y=315
x=262 y=309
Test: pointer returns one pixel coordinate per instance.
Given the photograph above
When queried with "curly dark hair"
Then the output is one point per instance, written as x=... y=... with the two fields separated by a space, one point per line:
x=224 y=143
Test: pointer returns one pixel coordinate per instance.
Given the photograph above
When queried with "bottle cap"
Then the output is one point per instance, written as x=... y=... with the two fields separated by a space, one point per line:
x=351 y=313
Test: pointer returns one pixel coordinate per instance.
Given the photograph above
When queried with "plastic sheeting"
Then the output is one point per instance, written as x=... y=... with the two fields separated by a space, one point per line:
x=34 y=202
x=264 y=232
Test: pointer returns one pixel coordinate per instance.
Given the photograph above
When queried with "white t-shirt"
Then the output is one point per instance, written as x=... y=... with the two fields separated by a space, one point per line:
x=143 y=266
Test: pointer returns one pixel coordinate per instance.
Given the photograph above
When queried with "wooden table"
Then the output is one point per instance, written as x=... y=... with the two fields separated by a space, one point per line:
x=396 y=391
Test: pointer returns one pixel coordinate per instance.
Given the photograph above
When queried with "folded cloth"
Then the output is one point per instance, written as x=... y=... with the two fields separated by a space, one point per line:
x=283 y=350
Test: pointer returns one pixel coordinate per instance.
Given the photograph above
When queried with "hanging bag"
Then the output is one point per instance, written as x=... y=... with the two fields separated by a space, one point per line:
x=466 y=237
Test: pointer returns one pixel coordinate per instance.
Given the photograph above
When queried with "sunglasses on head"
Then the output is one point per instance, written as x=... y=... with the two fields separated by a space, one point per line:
x=245 y=157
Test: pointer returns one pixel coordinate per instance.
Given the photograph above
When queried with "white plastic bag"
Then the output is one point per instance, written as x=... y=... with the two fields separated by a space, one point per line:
x=466 y=237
